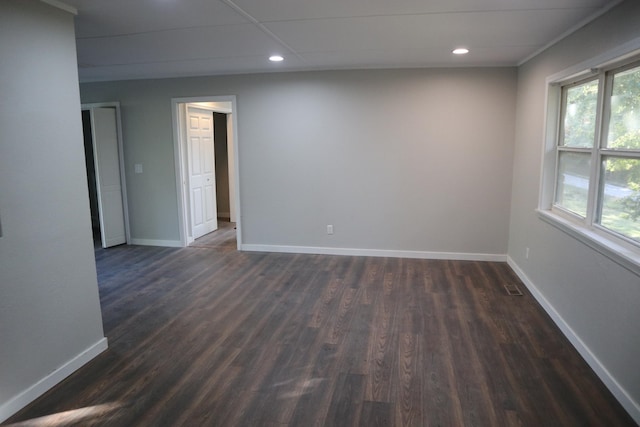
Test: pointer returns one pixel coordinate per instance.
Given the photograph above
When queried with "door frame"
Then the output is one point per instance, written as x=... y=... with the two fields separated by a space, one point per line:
x=218 y=104
x=123 y=180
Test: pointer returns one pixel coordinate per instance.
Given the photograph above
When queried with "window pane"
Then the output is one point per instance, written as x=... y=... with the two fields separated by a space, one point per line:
x=624 y=123
x=580 y=115
x=620 y=211
x=572 y=191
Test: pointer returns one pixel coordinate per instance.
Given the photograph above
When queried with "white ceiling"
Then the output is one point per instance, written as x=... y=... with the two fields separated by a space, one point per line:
x=129 y=39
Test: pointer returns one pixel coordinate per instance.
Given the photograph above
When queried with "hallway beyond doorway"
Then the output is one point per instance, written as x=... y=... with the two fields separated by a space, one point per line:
x=224 y=238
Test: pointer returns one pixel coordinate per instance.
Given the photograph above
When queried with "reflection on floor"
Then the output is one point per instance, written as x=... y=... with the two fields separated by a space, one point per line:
x=202 y=337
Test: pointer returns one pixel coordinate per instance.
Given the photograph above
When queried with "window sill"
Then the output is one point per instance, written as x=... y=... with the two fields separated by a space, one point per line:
x=620 y=254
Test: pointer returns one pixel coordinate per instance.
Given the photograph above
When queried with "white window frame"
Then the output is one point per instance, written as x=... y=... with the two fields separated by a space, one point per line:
x=620 y=249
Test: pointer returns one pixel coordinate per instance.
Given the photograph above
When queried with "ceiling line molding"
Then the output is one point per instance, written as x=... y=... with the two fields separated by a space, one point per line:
x=571 y=30
x=62 y=6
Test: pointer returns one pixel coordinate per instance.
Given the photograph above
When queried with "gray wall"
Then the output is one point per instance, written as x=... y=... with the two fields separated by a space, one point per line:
x=50 y=319
x=399 y=159
x=394 y=159
x=598 y=299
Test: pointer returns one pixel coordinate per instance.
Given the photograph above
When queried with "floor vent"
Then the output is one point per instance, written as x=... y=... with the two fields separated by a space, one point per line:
x=513 y=290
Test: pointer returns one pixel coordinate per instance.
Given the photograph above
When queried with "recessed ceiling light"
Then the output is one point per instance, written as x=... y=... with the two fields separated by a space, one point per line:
x=461 y=51
x=276 y=58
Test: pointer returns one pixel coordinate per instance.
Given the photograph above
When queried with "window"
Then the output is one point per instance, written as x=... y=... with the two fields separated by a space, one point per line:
x=597 y=164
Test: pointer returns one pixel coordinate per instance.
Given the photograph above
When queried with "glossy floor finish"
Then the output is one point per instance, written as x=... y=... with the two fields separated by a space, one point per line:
x=207 y=336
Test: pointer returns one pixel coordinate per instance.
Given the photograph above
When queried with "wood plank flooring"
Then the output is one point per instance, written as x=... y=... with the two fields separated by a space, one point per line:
x=207 y=336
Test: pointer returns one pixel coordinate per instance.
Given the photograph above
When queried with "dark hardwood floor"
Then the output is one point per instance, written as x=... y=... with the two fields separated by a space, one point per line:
x=208 y=336
x=223 y=239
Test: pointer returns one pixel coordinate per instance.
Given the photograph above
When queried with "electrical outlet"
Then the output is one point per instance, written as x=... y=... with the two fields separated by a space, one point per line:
x=329 y=229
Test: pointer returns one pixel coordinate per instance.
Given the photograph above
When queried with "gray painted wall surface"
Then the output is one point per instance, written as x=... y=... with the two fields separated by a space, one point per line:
x=597 y=298
x=397 y=159
x=49 y=306
x=393 y=159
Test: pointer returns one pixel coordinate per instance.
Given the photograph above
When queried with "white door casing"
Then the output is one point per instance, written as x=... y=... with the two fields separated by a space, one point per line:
x=202 y=181
x=109 y=187
x=222 y=104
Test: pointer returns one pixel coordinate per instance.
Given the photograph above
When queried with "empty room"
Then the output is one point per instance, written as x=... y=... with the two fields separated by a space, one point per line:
x=294 y=213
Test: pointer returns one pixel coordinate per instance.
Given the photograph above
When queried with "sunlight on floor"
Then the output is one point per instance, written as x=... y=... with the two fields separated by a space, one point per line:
x=70 y=417
x=302 y=387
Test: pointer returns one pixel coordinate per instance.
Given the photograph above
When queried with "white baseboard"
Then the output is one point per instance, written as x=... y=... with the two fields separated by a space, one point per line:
x=374 y=252
x=153 y=242
x=36 y=390
x=631 y=406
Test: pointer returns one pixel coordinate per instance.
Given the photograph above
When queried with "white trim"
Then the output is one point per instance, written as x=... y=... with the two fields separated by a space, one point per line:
x=234 y=178
x=632 y=407
x=62 y=6
x=210 y=106
x=374 y=252
x=155 y=242
x=623 y=256
x=571 y=30
x=621 y=52
x=123 y=177
x=232 y=167
x=552 y=102
x=176 y=120
x=21 y=400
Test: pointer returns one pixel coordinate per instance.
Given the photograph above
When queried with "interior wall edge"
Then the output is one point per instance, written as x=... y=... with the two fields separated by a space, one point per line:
x=627 y=402
x=45 y=384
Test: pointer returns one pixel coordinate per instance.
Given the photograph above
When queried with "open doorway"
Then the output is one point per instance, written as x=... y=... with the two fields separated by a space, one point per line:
x=206 y=174
x=105 y=173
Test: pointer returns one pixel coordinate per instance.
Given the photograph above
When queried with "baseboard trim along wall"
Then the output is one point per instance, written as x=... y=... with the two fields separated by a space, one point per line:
x=38 y=389
x=460 y=256
x=632 y=407
x=153 y=242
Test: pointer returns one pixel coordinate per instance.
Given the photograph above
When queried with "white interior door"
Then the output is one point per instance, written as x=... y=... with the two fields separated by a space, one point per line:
x=202 y=177
x=107 y=163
